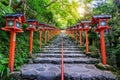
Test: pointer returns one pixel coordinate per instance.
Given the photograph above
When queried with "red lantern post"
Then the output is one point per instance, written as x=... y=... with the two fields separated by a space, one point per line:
x=102 y=24
x=73 y=32
x=76 y=33
x=49 y=34
x=41 y=27
x=32 y=27
x=86 y=28
x=45 y=34
x=50 y=28
x=13 y=25
x=80 y=32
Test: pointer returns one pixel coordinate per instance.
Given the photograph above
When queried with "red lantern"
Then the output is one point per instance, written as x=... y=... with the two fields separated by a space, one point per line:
x=32 y=23
x=80 y=27
x=41 y=28
x=101 y=22
x=13 y=25
x=86 y=28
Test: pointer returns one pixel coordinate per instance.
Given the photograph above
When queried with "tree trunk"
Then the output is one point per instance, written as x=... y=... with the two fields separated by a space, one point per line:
x=10 y=2
x=25 y=8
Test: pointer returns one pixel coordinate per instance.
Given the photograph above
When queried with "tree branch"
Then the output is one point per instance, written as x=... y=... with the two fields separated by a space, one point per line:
x=53 y=1
x=19 y=4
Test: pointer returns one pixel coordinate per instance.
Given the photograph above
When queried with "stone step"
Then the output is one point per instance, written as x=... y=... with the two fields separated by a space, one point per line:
x=50 y=50
x=66 y=60
x=68 y=52
x=47 y=65
x=65 y=51
x=65 y=42
x=60 y=48
x=59 y=55
x=71 y=72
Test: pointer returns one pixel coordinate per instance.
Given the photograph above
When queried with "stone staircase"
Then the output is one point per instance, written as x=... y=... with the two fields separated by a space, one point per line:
x=47 y=65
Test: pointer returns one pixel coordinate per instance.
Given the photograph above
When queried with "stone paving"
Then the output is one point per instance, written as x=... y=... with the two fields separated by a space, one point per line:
x=72 y=72
x=47 y=65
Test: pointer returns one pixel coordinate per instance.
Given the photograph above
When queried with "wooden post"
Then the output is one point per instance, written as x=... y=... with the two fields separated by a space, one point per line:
x=76 y=37
x=12 y=51
x=40 y=36
x=80 y=32
x=45 y=37
x=86 y=32
x=48 y=37
x=31 y=42
x=103 y=50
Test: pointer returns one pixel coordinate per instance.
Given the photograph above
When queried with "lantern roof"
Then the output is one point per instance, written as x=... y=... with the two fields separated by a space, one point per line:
x=95 y=18
x=46 y=25
x=41 y=23
x=102 y=16
x=85 y=22
x=88 y=21
x=33 y=20
x=13 y=15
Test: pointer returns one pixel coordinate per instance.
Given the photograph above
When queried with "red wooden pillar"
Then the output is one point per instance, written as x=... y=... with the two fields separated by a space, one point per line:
x=12 y=51
x=103 y=50
x=48 y=35
x=86 y=32
x=72 y=32
x=31 y=42
x=76 y=37
x=40 y=36
x=45 y=35
x=80 y=32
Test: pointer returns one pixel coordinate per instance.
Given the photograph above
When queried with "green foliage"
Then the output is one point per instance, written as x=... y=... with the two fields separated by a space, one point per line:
x=112 y=38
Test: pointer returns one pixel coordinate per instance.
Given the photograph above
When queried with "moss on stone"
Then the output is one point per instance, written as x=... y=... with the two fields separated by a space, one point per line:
x=105 y=67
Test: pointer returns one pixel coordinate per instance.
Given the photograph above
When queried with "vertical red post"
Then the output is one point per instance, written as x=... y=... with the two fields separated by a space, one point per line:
x=71 y=34
x=80 y=32
x=74 y=34
x=86 y=32
x=12 y=51
x=31 y=42
x=103 y=50
x=48 y=35
x=45 y=37
x=76 y=37
x=40 y=36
